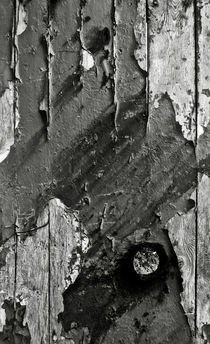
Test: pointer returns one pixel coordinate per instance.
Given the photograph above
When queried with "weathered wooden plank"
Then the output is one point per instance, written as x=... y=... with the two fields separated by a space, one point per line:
x=182 y=233
x=96 y=35
x=7 y=133
x=31 y=156
x=32 y=281
x=172 y=59
x=203 y=261
x=202 y=150
x=67 y=242
x=203 y=48
x=64 y=69
x=80 y=67
x=7 y=277
x=7 y=117
x=130 y=52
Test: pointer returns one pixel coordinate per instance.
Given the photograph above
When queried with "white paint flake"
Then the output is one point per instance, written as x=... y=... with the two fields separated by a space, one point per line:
x=87 y=60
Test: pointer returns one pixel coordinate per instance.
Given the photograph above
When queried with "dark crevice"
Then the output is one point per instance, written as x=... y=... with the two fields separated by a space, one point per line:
x=14 y=332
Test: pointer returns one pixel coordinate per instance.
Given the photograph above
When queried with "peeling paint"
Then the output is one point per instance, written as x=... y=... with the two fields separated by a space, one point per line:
x=9 y=114
x=140 y=31
x=2 y=318
x=87 y=60
x=22 y=18
x=204 y=68
x=7 y=121
x=7 y=277
x=172 y=61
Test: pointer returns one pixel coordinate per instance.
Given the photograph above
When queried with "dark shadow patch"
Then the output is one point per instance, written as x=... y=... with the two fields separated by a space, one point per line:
x=96 y=39
x=69 y=89
x=14 y=331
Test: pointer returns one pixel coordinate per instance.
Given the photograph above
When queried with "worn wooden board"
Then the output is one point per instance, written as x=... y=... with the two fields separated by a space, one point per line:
x=203 y=64
x=31 y=156
x=7 y=117
x=7 y=123
x=7 y=276
x=67 y=242
x=130 y=52
x=103 y=57
x=203 y=261
x=64 y=61
x=171 y=74
x=78 y=68
x=202 y=150
x=32 y=281
x=172 y=59
x=182 y=233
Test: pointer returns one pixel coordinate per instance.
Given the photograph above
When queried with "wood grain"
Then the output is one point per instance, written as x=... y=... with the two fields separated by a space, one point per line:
x=7 y=116
x=203 y=260
x=172 y=60
x=32 y=282
x=7 y=276
x=171 y=55
x=182 y=233
x=202 y=152
x=203 y=27
x=7 y=120
x=67 y=242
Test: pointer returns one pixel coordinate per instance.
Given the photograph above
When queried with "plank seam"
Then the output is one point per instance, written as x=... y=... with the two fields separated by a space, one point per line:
x=196 y=141
x=147 y=59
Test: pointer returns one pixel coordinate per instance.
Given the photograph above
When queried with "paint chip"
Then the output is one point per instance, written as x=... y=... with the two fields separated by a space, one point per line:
x=87 y=60
x=7 y=121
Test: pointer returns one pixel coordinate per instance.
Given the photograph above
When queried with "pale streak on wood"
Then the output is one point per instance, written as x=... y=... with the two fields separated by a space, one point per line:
x=49 y=261
x=22 y=18
x=140 y=31
x=7 y=277
x=67 y=241
x=9 y=115
x=181 y=230
x=172 y=60
x=203 y=66
x=33 y=280
x=7 y=121
x=203 y=260
x=20 y=25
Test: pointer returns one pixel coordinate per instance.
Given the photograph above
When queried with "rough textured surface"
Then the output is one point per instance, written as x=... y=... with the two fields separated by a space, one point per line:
x=182 y=233
x=203 y=306
x=111 y=144
x=172 y=59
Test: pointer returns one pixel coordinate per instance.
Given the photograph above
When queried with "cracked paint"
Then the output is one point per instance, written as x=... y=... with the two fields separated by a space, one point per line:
x=172 y=70
x=7 y=120
x=9 y=114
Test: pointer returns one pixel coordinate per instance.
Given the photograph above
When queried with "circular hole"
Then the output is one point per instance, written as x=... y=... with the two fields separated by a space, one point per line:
x=146 y=261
